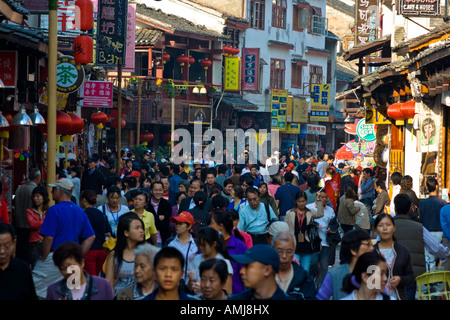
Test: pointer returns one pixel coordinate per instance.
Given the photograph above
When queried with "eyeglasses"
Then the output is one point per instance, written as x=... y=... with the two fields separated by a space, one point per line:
x=288 y=252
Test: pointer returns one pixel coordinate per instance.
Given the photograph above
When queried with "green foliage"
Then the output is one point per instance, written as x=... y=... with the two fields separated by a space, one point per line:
x=162 y=152
x=139 y=150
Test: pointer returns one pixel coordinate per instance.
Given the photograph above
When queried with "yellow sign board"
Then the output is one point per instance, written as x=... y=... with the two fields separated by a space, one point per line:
x=374 y=116
x=293 y=128
x=232 y=67
x=300 y=111
x=320 y=104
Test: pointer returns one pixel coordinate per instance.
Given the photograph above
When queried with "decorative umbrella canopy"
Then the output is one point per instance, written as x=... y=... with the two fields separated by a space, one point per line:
x=344 y=153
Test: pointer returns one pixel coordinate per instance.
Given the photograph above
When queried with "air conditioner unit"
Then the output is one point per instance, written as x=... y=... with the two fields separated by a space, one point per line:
x=399 y=34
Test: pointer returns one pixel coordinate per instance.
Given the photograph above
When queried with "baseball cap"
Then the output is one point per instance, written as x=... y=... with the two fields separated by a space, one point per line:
x=185 y=217
x=135 y=173
x=262 y=253
x=63 y=183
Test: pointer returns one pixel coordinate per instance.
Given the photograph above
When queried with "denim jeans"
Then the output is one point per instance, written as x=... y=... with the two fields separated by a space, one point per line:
x=305 y=260
x=323 y=262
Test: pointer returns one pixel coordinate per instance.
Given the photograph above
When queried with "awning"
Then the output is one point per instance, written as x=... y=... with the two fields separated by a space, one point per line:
x=237 y=102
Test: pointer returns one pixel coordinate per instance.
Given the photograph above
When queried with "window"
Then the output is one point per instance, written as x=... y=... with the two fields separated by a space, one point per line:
x=257 y=14
x=296 y=78
x=315 y=74
x=277 y=69
x=317 y=25
x=233 y=37
x=301 y=16
x=279 y=13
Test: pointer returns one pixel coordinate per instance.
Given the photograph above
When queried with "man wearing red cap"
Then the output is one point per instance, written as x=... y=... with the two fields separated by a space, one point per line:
x=184 y=241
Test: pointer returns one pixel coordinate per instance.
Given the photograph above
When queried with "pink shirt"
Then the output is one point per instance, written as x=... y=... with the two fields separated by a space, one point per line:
x=272 y=189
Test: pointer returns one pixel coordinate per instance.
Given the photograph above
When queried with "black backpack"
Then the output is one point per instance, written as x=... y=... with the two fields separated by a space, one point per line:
x=312 y=230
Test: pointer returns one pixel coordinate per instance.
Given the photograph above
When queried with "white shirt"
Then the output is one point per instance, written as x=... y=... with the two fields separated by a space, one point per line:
x=395 y=191
x=189 y=251
x=195 y=266
x=323 y=222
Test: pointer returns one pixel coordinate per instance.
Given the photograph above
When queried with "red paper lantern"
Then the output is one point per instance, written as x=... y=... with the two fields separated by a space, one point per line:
x=114 y=123
x=394 y=112
x=408 y=109
x=165 y=57
x=236 y=51
x=146 y=137
x=63 y=123
x=83 y=49
x=191 y=61
x=206 y=63
x=84 y=15
x=99 y=117
x=77 y=123
x=226 y=49
x=182 y=59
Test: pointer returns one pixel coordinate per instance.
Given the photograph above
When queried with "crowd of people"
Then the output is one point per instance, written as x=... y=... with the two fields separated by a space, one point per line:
x=214 y=231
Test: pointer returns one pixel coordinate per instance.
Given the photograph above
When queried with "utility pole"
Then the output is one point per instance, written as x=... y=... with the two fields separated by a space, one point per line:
x=51 y=108
x=119 y=114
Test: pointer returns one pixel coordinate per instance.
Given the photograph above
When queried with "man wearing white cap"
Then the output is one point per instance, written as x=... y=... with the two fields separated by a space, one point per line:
x=65 y=221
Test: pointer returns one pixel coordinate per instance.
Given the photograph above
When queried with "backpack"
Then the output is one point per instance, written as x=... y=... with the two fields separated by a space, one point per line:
x=312 y=230
x=266 y=205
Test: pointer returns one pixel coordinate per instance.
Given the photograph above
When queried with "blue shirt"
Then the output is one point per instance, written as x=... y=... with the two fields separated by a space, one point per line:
x=64 y=222
x=367 y=189
x=174 y=182
x=287 y=200
x=255 y=221
x=445 y=221
x=429 y=210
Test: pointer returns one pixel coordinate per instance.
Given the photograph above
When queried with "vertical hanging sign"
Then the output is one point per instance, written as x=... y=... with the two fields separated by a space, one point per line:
x=111 y=32
x=231 y=74
x=367 y=17
x=250 y=69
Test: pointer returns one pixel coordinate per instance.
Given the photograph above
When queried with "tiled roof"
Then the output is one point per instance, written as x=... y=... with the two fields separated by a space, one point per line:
x=147 y=36
x=35 y=38
x=176 y=23
x=342 y=6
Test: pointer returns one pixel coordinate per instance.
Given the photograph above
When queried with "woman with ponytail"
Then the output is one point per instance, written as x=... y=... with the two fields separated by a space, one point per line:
x=368 y=279
x=222 y=221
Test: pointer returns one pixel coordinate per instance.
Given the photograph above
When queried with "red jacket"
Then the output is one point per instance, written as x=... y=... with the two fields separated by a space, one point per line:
x=35 y=221
x=4 y=214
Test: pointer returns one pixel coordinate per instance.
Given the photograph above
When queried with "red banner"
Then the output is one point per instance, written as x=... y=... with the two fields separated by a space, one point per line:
x=8 y=68
x=333 y=189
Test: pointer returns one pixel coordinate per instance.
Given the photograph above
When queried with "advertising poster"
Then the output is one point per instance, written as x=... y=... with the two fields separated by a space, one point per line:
x=320 y=104
x=278 y=108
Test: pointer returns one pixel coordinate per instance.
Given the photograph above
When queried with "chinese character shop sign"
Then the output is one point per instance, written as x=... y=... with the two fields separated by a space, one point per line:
x=8 y=68
x=367 y=21
x=111 y=32
x=231 y=73
x=250 y=69
x=98 y=94
x=320 y=104
x=69 y=74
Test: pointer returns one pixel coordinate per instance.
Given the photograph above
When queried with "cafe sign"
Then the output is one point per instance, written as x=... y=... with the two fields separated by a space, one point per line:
x=365 y=131
x=419 y=8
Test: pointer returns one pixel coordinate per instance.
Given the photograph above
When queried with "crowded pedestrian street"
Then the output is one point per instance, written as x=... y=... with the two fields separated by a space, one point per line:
x=244 y=150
